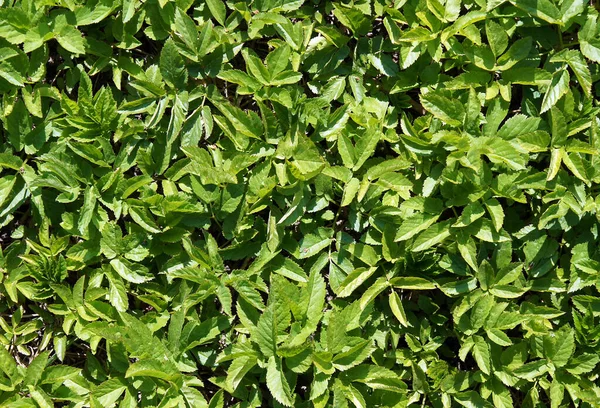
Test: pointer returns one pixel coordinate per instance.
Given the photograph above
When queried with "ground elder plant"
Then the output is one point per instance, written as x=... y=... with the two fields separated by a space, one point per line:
x=269 y=203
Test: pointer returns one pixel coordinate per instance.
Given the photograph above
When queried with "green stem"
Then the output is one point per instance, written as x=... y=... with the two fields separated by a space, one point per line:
x=454 y=211
x=571 y=44
x=560 y=39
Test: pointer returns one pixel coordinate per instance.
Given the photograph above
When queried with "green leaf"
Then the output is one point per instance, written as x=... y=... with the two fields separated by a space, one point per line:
x=412 y=283
x=377 y=377
x=499 y=337
x=312 y=299
x=434 y=235
x=355 y=279
x=259 y=199
x=186 y=30
x=350 y=191
x=218 y=10
x=9 y=366
x=502 y=152
x=11 y=75
x=353 y=356
x=558 y=88
x=470 y=214
x=496 y=212
x=239 y=77
x=471 y=399
x=559 y=128
x=291 y=270
x=563 y=347
x=582 y=364
x=570 y=9
x=91 y=15
x=238 y=369
x=590 y=48
x=370 y=294
x=278 y=60
x=130 y=272
x=366 y=146
x=463 y=22
x=384 y=64
x=255 y=67
x=413 y=225
x=531 y=370
x=150 y=368
x=468 y=250
x=312 y=244
x=447 y=110
x=36 y=369
x=307 y=160
x=481 y=353
x=71 y=40
x=285 y=78
x=272 y=322
x=218 y=400
x=579 y=66
x=143 y=218
x=278 y=384
x=555 y=161
x=398 y=309
x=172 y=66
x=496 y=36
x=110 y=391
x=518 y=51
x=87 y=211
x=542 y=9
x=501 y=395
x=117 y=294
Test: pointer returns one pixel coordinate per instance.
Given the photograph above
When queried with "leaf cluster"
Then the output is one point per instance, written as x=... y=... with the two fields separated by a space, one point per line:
x=350 y=203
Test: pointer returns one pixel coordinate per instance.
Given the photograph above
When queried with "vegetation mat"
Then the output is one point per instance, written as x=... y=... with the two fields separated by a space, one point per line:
x=354 y=203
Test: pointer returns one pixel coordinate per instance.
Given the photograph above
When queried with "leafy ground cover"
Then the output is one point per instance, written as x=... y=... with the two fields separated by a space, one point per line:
x=366 y=203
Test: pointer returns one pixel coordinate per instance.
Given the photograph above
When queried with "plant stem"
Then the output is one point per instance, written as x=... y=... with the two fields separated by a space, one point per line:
x=571 y=44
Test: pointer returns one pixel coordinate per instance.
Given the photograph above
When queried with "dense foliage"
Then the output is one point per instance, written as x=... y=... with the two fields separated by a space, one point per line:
x=368 y=203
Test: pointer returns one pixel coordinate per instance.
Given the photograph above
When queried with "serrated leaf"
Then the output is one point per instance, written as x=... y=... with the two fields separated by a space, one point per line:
x=434 y=235
x=353 y=356
x=117 y=292
x=271 y=323
x=11 y=75
x=71 y=40
x=412 y=283
x=518 y=51
x=150 y=368
x=481 y=353
x=312 y=244
x=579 y=67
x=172 y=66
x=499 y=337
x=590 y=49
x=277 y=383
x=496 y=212
x=398 y=309
x=413 y=225
x=531 y=370
x=542 y=9
x=354 y=280
x=378 y=286
x=555 y=162
x=447 y=110
x=557 y=89
x=238 y=369
x=313 y=296
x=564 y=347
x=496 y=36
x=129 y=274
